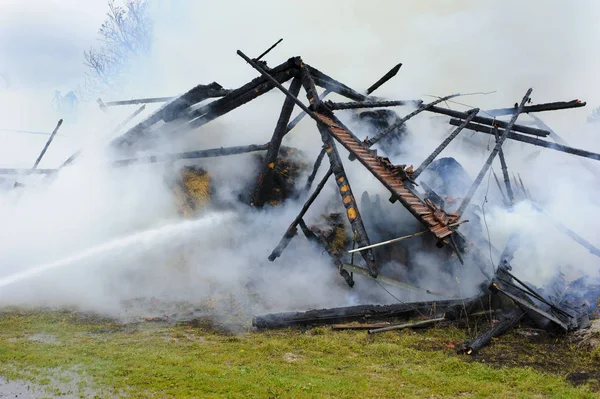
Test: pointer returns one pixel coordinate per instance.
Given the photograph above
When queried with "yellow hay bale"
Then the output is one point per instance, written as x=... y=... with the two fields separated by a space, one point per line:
x=192 y=191
x=339 y=241
x=197 y=184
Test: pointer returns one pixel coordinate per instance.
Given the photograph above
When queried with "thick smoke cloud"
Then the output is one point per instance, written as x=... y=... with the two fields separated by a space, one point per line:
x=461 y=46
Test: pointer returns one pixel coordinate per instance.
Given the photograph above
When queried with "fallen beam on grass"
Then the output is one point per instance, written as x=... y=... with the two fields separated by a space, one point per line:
x=353 y=313
x=421 y=323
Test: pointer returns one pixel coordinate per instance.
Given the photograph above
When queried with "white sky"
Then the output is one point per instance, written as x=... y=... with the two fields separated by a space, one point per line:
x=42 y=41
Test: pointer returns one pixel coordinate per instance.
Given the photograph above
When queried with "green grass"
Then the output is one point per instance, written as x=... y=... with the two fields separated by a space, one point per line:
x=167 y=361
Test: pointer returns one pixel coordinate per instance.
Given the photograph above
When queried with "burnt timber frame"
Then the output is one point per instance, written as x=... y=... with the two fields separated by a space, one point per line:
x=270 y=160
x=434 y=218
x=531 y=140
x=186 y=111
x=465 y=203
x=341 y=179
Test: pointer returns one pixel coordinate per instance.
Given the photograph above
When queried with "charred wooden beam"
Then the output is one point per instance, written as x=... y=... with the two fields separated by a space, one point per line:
x=23 y=171
x=169 y=112
x=504 y=198
x=351 y=313
x=209 y=153
x=139 y=101
x=341 y=178
x=390 y=74
x=526 y=306
x=403 y=120
x=271 y=156
x=277 y=84
x=302 y=114
x=533 y=140
x=511 y=319
x=525 y=195
x=556 y=137
x=327 y=82
x=220 y=107
x=316 y=166
x=326 y=92
x=553 y=106
x=509 y=190
x=291 y=231
x=488 y=122
x=471 y=114
x=368 y=104
x=463 y=206
x=267 y=51
x=130 y=117
x=48 y=142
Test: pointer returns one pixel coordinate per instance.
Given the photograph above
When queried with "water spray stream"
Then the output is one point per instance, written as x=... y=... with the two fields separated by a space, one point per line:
x=144 y=239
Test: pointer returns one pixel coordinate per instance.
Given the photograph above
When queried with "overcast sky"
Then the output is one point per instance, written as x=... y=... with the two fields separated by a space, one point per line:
x=446 y=47
x=42 y=41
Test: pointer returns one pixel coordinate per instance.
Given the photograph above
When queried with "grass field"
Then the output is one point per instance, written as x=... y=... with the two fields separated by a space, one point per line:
x=68 y=352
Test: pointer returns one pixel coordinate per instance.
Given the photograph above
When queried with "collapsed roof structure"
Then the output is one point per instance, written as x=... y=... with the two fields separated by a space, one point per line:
x=441 y=219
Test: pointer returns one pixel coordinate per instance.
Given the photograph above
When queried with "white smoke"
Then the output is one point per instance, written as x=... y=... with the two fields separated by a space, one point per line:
x=465 y=47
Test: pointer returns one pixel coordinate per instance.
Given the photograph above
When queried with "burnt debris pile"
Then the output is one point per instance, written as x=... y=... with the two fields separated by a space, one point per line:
x=437 y=194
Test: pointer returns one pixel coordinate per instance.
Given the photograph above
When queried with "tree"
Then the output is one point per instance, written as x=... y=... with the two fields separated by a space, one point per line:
x=125 y=35
x=594 y=117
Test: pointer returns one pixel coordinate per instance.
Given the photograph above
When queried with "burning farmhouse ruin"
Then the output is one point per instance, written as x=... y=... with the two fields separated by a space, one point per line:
x=365 y=236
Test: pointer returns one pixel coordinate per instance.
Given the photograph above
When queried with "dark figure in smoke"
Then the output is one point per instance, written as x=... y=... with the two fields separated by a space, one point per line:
x=66 y=105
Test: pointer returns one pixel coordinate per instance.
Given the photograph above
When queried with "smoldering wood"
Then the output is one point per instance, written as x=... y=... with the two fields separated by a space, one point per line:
x=302 y=114
x=48 y=142
x=512 y=317
x=23 y=171
x=504 y=198
x=524 y=289
x=553 y=106
x=403 y=120
x=509 y=191
x=471 y=114
x=463 y=206
x=220 y=107
x=101 y=105
x=557 y=138
x=326 y=92
x=533 y=141
x=291 y=231
x=526 y=306
x=369 y=104
x=341 y=179
x=209 y=153
x=130 y=117
x=267 y=51
x=522 y=186
x=313 y=174
x=270 y=160
x=279 y=85
x=458 y=116
x=139 y=101
x=390 y=74
x=167 y=113
x=365 y=313
x=328 y=82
